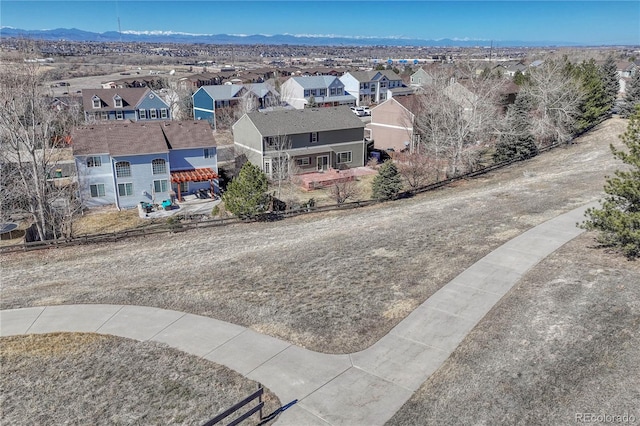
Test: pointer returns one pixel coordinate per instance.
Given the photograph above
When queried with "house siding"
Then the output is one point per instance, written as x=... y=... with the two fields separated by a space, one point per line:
x=88 y=176
x=153 y=102
x=391 y=126
x=203 y=105
x=142 y=178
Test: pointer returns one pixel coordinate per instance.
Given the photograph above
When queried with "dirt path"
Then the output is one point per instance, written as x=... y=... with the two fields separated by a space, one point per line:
x=331 y=283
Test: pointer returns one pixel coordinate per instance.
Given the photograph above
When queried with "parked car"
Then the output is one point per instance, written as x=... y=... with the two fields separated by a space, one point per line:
x=358 y=111
x=366 y=110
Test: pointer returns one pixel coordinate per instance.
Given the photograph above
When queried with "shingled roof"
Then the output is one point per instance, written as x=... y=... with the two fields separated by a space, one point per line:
x=292 y=122
x=131 y=96
x=118 y=139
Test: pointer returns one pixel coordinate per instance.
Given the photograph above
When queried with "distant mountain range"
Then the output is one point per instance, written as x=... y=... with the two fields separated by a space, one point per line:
x=74 y=34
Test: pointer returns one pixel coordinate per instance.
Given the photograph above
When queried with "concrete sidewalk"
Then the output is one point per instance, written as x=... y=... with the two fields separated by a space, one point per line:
x=364 y=388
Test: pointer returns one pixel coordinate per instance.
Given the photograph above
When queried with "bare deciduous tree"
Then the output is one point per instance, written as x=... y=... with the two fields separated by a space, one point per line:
x=556 y=98
x=416 y=169
x=343 y=191
x=455 y=115
x=33 y=136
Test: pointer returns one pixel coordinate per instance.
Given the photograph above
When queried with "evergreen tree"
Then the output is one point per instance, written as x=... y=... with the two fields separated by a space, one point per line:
x=520 y=79
x=610 y=80
x=387 y=183
x=632 y=96
x=595 y=104
x=618 y=219
x=517 y=143
x=246 y=194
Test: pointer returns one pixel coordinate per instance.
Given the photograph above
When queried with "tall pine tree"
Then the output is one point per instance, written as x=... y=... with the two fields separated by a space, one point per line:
x=632 y=96
x=610 y=80
x=517 y=142
x=595 y=103
x=618 y=219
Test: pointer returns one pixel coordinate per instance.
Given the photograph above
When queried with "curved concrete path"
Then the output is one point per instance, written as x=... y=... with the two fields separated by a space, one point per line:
x=363 y=388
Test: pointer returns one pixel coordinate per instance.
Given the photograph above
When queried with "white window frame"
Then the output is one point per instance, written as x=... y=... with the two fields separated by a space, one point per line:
x=183 y=187
x=323 y=92
x=209 y=153
x=94 y=161
x=153 y=114
x=98 y=189
x=159 y=166
x=117 y=101
x=164 y=113
x=313 y=137
x=119 y=115
x=96 y=103
x=104 y=115
x=142 y=114
x=303 y=161
x=349 y=158
x=161 y=185
x=127 y=188
x=123 y=169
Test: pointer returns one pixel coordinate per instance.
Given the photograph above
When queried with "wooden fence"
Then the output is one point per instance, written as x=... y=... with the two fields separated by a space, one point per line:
x=176 y=225
x=239 y=406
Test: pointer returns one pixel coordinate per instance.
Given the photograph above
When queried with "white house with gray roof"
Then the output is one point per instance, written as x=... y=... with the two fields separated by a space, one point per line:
x=370 y=86
x=320 y=90
x=312 y=139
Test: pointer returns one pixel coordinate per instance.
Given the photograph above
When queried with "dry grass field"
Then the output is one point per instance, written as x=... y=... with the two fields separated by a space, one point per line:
x=564 y=341
x=82 y=379
x=334 y=282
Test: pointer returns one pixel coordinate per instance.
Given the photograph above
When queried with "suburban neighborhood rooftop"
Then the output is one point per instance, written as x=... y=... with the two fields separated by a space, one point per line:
x=289 y=122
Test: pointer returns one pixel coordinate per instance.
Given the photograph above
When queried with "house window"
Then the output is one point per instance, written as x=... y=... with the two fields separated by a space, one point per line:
x=160 y=185
x=209 y=152
x=269 y=142
x=307 y=93
x=123 y=169
x=104 y=115
x=163 y=113
x=159 y=166
x=119 y=115
x=96 y=102
x=184 y=186
x=142 y=114
x=117 y=101
x=323 y=92
x=94 y=161
x=125 y=189
x=344 y=157
x=333 y=91
x=97 y=190
x=153 y=114
x=303 y=161
x=383 y=84
x=314 y=137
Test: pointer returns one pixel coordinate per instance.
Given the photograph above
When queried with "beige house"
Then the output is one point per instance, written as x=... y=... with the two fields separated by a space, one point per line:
x=391 y=126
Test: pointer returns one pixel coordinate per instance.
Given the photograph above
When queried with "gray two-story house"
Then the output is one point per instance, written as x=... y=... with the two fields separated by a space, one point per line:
x=306 y=140
x=127 y=103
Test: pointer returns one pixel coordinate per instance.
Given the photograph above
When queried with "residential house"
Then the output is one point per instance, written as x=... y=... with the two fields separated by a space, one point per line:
x=420 y=78
x=312 y=139
x=129 y=163
x=208 y=99
x=132 y=103
x=392 y=123
x=370 y=87
x=322 y=90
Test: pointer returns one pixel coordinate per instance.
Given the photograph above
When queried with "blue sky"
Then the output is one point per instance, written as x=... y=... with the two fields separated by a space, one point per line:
x=585 y=22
